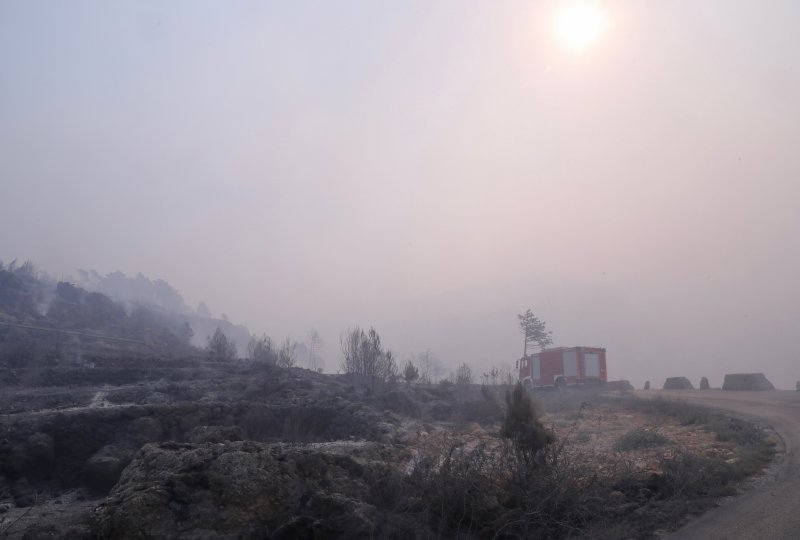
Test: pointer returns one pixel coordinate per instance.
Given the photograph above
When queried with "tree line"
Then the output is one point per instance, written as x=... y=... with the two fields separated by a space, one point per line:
x=29 y=298
x=45 y=321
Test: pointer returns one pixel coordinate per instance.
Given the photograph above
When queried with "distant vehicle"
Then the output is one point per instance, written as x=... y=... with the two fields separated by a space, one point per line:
x=563 y=366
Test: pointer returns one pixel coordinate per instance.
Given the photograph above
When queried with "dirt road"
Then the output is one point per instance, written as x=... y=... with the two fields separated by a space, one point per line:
x=771 y=510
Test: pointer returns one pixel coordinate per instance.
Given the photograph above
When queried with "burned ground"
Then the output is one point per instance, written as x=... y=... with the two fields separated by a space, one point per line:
x=244 y=450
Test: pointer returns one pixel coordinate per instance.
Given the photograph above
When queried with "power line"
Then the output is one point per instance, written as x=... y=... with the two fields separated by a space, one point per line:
x=72 y=333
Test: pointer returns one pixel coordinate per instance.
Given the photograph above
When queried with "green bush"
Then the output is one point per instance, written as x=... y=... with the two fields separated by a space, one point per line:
x=521 y=423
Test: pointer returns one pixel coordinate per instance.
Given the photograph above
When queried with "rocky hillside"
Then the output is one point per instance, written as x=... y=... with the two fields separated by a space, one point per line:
x=194 y=449
x=46 y=323
x=77 y=429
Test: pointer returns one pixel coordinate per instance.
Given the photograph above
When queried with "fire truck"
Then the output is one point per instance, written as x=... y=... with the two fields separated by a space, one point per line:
x=563 y=366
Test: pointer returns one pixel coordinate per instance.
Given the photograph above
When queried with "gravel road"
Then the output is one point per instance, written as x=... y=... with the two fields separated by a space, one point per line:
x=771 y=510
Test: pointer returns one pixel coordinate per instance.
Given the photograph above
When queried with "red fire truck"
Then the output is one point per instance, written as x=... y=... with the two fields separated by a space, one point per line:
x=563 y=366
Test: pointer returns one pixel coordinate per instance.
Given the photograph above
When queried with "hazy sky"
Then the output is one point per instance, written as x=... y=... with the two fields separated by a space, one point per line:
x=429 y=168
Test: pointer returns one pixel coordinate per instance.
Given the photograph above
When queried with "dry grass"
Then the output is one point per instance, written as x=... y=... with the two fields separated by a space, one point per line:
x=618 y=469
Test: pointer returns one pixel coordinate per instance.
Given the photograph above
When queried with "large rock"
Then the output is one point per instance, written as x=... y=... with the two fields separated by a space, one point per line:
x=678 y=383
x=746 y=381
x=619 y=386
x=704 y=383
x=174 y=490
x=103 y=469
x=237 y=489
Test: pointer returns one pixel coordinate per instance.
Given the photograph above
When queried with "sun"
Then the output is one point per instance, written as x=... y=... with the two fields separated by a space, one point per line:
x=580 y=24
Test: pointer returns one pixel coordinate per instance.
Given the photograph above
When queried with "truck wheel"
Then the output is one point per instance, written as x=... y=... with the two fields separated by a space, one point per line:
x=560 y=383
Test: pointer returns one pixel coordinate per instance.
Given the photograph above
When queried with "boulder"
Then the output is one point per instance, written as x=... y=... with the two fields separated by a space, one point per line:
x=620 y=386
x=678 y=383
x=103 y=469
x=647 y=385
x=240 y=489
x=746 y=381
x=704 y=383
x=176 y=490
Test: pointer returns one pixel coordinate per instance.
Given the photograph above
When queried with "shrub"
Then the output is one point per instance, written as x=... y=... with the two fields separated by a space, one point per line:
x=583 y=436
x=463 y=376
x=456 y=487
x=464 y=490
x=286 y=354
x=521 y=423
x=411 y=372
x=262 y=350
x=220 y=347
x=364 y=356
x=726 y=428
x=687 y=476
x=483 y=412
x=735 y=430
x=639 y=438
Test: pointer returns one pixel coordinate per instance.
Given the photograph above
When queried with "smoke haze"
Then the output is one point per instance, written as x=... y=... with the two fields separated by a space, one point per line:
x=428 y=169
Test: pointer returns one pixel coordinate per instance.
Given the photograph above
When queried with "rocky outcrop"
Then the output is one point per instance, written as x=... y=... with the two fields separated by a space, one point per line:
x=90 y=447
x=704 y=383
x=216 y=434
x=747 y=381
x=103 y=469
x=620 y=386
x=678 y=383
x=238 y=490
x=647 y=385
x=86 y=447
